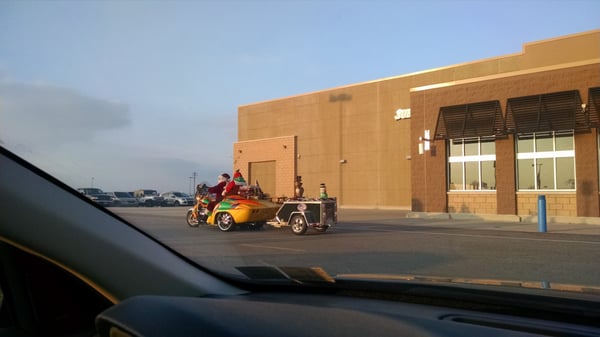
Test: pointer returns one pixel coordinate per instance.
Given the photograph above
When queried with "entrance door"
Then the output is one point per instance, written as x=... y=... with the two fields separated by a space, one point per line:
x=264 y=173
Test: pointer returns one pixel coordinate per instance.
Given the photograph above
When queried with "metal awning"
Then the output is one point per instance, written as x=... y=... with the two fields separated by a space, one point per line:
x=547 y=112
x=593 y=107
x=482 y=119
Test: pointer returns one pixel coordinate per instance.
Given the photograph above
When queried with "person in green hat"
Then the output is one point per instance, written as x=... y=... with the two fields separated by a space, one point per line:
x=233 y=187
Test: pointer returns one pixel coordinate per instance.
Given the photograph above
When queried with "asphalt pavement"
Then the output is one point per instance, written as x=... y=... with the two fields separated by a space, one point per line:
x=565 y=225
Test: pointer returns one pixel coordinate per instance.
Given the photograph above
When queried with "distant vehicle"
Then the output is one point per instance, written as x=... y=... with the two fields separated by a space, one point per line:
x=177 y=199
x=97 y=195
x=147 y=197
x=123 y=199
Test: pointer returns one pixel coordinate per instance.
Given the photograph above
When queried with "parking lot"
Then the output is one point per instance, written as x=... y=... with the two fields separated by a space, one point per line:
x=387 y=241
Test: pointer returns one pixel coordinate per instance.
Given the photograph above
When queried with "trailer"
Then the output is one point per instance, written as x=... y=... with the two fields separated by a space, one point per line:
x=301 y=214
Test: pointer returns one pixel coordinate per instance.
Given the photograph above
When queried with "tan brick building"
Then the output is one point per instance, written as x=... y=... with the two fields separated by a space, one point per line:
x=482 y=137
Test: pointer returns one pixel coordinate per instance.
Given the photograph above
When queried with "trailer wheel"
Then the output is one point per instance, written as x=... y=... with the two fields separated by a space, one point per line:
x=298 y=224
x=225 y=222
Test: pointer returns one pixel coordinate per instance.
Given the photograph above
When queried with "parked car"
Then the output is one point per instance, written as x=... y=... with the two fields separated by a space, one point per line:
x=123 y=199
x=96 y=195
x=147 y=197
x=177 y=199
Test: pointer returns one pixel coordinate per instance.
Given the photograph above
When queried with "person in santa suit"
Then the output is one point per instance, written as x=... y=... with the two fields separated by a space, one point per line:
x=218 y=190
x=233 y=187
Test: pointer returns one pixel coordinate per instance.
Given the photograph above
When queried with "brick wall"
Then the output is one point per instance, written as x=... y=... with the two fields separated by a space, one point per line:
x=557 y=204
x=476 y=203
x=428 y=170
x=368 y=159
x=282 y=150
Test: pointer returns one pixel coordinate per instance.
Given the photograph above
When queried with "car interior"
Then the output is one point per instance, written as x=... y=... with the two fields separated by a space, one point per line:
x=69 y=267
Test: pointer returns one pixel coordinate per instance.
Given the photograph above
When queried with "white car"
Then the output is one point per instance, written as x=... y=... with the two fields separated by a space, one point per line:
x=148 y=197
x=177 y=199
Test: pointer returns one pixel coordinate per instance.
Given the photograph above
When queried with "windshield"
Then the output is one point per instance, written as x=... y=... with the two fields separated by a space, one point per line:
x=122 y=194
x=450 y=139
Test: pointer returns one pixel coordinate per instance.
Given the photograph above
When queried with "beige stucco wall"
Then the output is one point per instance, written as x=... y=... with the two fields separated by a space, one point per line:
x=355 y=131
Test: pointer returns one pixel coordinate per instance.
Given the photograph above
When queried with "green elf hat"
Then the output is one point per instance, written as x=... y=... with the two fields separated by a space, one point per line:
x=238 y=179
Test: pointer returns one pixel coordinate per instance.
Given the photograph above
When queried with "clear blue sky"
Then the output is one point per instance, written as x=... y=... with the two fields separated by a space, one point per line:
x=140 y=94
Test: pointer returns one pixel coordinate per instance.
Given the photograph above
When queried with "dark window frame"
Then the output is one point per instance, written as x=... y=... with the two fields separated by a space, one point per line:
x=480 y=119
x=549 y=112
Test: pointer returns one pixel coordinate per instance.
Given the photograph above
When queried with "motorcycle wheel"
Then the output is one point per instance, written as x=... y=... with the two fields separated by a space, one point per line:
x=225 y=222
x=298 y=224
x=191 y=220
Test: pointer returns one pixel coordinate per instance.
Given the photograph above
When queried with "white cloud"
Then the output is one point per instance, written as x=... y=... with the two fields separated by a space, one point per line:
x=42 y=115
x=75 y=137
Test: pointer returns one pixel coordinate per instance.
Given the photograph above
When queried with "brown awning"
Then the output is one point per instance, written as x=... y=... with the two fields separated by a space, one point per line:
x=482 y=119
x=547 y=112
x=593 y=107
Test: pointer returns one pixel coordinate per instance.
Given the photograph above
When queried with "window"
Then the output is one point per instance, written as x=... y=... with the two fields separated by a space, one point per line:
x=472 y=164
x=546 y=161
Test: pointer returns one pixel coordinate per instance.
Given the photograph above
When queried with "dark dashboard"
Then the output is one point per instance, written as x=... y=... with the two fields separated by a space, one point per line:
x=293 y=314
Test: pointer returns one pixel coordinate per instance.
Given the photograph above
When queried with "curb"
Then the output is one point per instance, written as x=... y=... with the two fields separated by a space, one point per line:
x=505 y=218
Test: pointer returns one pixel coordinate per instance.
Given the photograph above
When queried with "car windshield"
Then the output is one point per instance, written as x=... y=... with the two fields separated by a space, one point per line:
x=452 y=139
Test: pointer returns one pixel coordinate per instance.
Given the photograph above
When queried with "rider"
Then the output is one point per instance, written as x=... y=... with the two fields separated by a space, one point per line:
x=218 y=190
x=233 y=186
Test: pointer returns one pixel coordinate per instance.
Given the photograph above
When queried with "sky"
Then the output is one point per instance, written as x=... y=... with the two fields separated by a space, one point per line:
x=124 y=95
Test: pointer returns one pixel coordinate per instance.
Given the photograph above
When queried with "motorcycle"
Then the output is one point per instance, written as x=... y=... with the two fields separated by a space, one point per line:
x=199 y=213
x=245 y=209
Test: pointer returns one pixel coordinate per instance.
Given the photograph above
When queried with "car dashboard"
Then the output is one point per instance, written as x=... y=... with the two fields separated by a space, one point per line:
x=297 y=314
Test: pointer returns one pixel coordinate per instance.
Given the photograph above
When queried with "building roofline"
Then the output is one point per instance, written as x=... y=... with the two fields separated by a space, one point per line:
x=507 y=74
x=263 y=139
x=420 y=72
